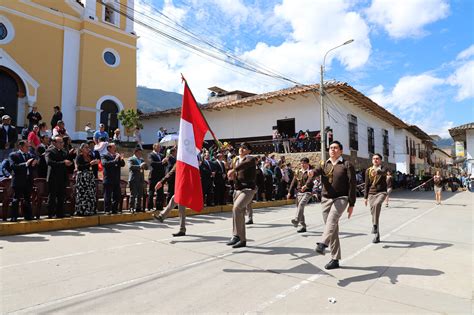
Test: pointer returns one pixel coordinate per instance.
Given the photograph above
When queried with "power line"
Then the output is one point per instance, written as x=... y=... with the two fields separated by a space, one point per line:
x=220 y=54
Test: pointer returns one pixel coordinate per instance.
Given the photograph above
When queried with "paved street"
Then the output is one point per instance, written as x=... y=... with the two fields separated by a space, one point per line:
x=422 y=265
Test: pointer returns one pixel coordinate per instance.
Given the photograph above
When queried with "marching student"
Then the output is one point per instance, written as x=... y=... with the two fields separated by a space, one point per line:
x=339 y=194
x=161 y=216
x=244 y=175
x=375 y=192
x=303 y=180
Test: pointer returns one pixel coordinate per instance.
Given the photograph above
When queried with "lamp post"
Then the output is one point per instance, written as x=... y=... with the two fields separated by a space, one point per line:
x=321 y=93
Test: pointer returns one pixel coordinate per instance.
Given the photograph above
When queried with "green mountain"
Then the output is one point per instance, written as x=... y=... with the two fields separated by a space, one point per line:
x=153 y=100
x=445 y=143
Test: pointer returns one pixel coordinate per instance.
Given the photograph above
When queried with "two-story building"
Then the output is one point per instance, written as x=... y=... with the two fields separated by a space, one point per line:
x=79 y=55
x=464 y=140
x=362 y=126
x=413 y=150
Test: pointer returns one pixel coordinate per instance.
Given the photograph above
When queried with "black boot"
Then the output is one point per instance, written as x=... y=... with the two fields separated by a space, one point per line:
x=333 y=264
x=376 y=238
x=180 y=233
x=321 y=248
x=374 y=229
x=240 y=244
x=234 y=240
x=301 y=229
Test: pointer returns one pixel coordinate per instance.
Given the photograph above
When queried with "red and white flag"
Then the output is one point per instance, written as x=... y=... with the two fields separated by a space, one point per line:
x=192 y=129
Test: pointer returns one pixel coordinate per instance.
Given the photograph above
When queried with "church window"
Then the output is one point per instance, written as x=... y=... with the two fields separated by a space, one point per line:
x=3 y=31
x=111 y=57
x=109 y=14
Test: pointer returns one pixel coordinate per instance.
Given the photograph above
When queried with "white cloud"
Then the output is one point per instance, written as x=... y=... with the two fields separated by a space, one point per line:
x=434 y=124
x=407 y=18
x=233 y=8
x=410 y=94
x=320 y=27
x=466 y=53
x=463 y=78
x=312 y=32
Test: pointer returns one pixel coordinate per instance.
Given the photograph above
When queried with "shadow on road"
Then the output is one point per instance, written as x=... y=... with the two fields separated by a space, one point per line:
x=408 y=244
x=24 y=238
x=421 y=195
x=305 y=268
x=390 y=272
x=200 y=239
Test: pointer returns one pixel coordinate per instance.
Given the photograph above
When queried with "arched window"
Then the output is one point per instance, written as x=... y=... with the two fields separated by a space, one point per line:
x=11 y=88
x=108 y=116
x=3 y=31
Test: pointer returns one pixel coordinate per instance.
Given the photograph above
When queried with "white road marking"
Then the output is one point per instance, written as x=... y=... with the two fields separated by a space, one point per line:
x=314 y=277
x=31 y=309
x=116 y=247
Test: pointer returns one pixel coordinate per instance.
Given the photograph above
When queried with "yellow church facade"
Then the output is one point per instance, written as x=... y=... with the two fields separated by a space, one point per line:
x=79 y=55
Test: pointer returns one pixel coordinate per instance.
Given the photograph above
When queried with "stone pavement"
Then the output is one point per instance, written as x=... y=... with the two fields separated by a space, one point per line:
x=422 y=265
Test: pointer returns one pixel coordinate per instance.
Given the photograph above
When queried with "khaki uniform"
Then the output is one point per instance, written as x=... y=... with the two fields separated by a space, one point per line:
x=245 y=189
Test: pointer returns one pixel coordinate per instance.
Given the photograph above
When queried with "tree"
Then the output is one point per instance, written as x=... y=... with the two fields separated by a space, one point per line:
x=130 y=119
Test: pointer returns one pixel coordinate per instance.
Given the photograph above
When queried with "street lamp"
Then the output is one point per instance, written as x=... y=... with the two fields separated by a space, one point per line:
x=321 y=93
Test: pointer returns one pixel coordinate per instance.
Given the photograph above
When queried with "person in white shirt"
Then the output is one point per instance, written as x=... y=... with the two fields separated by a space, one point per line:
x=90 y=132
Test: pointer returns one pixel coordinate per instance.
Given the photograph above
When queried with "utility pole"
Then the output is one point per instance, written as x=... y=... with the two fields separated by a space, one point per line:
x=321 y=93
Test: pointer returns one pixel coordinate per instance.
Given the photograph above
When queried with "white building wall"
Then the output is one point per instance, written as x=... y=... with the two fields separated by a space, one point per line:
x=257 y=120
x=402 y=157
x=338 y=111
x=469 y=144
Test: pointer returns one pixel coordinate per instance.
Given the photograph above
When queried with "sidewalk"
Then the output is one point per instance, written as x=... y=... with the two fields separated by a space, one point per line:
x=44 y=225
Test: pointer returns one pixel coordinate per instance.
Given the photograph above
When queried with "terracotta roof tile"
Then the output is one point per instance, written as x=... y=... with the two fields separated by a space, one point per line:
x=345 y=90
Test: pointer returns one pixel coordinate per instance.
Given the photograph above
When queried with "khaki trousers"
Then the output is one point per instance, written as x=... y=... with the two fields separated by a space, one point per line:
x=249 y=211
x=242 y=198
x=332 y=211
x=302 y=200
x=375 y=203
x=182 y=213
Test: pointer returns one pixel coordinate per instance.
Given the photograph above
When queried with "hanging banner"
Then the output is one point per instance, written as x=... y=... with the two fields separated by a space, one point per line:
x=459 y=145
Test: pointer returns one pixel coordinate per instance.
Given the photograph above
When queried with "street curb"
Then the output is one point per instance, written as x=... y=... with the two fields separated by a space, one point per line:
x=45 y=225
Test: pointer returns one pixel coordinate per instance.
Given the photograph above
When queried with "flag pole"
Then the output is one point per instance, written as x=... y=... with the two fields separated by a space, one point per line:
x=218 y=143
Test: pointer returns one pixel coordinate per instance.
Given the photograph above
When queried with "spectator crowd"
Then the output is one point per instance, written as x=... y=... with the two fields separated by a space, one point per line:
x=43 y=166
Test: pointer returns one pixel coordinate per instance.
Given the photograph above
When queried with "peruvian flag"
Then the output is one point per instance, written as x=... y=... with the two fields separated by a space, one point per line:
x=192 y=129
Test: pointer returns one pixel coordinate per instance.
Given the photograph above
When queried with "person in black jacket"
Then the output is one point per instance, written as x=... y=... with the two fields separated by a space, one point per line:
x=56 y=159
x=95 y=155
x=57 y=116
x=41 y=152
x=34 y=117
x=220 y=179
x=112 y=162
x=22 y=164
x=171 y=161
x=157 y=172
x=8 y=137
x=260 y=181
x=207 y=177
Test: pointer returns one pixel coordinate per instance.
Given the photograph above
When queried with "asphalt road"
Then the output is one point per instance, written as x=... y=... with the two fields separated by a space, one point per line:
x=424 y=264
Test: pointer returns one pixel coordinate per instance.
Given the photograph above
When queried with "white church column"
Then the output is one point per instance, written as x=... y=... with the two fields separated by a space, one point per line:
x=71 y=50
x=129 y=22
x=90 y=10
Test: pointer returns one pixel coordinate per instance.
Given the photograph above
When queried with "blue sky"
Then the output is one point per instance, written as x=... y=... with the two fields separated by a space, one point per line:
x=414 y=57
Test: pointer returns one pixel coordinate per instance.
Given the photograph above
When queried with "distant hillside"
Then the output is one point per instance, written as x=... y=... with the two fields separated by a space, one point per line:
x=152 y=100
x=445 y=143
